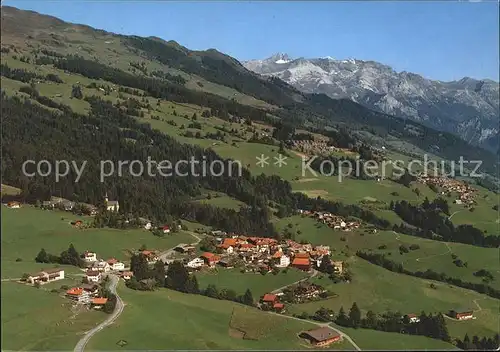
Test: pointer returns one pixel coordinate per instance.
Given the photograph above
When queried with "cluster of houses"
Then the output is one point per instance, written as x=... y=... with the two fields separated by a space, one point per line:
x=466 y=194
x=304 y=291
x=333 y=221
x=315 y=147
x=96 y=267
x=261 y=253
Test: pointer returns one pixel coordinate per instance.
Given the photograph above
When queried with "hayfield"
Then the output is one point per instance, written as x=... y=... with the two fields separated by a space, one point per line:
x=257 y=283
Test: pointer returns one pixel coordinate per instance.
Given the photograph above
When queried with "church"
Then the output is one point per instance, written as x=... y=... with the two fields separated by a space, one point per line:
x=111 y=205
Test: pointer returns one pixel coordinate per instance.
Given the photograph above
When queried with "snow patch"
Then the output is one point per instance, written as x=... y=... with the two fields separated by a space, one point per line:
x=281 y=61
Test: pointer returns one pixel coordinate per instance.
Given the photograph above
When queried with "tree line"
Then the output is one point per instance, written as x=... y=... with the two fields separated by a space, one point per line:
x=68 y=257
x=177 y=277
x=431 y=223
x=483 y=344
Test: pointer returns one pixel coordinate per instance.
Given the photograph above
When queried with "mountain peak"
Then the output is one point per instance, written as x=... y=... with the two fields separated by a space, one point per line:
x=279 y=58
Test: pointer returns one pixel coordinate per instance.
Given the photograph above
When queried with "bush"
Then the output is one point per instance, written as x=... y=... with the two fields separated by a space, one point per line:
x=19 y=260
x=414 y=247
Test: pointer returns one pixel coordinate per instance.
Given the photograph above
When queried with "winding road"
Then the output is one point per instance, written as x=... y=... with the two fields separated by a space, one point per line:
x=80 y=346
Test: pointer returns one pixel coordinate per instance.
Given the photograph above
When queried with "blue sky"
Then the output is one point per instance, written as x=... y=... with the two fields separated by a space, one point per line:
x=444 y=40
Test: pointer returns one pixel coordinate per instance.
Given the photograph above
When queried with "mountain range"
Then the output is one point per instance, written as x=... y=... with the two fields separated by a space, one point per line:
x=468 y=107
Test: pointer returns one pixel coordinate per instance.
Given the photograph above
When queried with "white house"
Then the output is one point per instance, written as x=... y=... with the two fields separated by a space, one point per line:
x=343 y=224
x=195 y=263
x=284 y=261
x=166 y=229
x=101 y=266
x=90 y=257
x=93 y=276
x=45 y=276
x=413 y=318
x=148 y=226
x=115 y=264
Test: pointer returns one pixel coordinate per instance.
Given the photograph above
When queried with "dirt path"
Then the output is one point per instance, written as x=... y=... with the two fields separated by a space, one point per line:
x=458 y=211
x=437 y=255
x=80 y=346
x=344 y=335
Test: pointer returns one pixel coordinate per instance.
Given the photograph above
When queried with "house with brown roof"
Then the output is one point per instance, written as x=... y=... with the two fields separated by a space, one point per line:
x=93 y=276
x=462 y=314
x=115 y=264
x=127 y=275
x=321 y=337
x=46 y=275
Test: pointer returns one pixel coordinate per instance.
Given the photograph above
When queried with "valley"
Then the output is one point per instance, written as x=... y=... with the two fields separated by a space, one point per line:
x=213 y=260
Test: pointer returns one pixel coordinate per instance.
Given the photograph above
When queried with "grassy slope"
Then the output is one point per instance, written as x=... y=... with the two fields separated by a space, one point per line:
x=40 y=320
x=431 y=254
x=173 y=320
x=52 y=230
x=379 y=290
x=380 y=340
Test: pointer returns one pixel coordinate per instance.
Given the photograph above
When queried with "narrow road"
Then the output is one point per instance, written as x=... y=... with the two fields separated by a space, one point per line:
x=80 y=346
x=344 y=335
x=315 y=272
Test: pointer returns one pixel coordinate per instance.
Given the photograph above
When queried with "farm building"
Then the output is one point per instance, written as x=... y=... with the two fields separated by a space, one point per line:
x=321 y=337
x=462 y=314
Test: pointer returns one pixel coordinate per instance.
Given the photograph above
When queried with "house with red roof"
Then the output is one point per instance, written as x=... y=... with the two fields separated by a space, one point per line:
x=210 y=259
x=78 y=295
x=98 y=302
x=301 y=263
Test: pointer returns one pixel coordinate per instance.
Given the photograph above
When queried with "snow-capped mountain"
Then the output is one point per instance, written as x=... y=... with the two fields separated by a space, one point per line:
x=468 y=107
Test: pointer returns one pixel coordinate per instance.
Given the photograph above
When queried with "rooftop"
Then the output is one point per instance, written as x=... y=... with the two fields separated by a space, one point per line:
x=321 y=334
